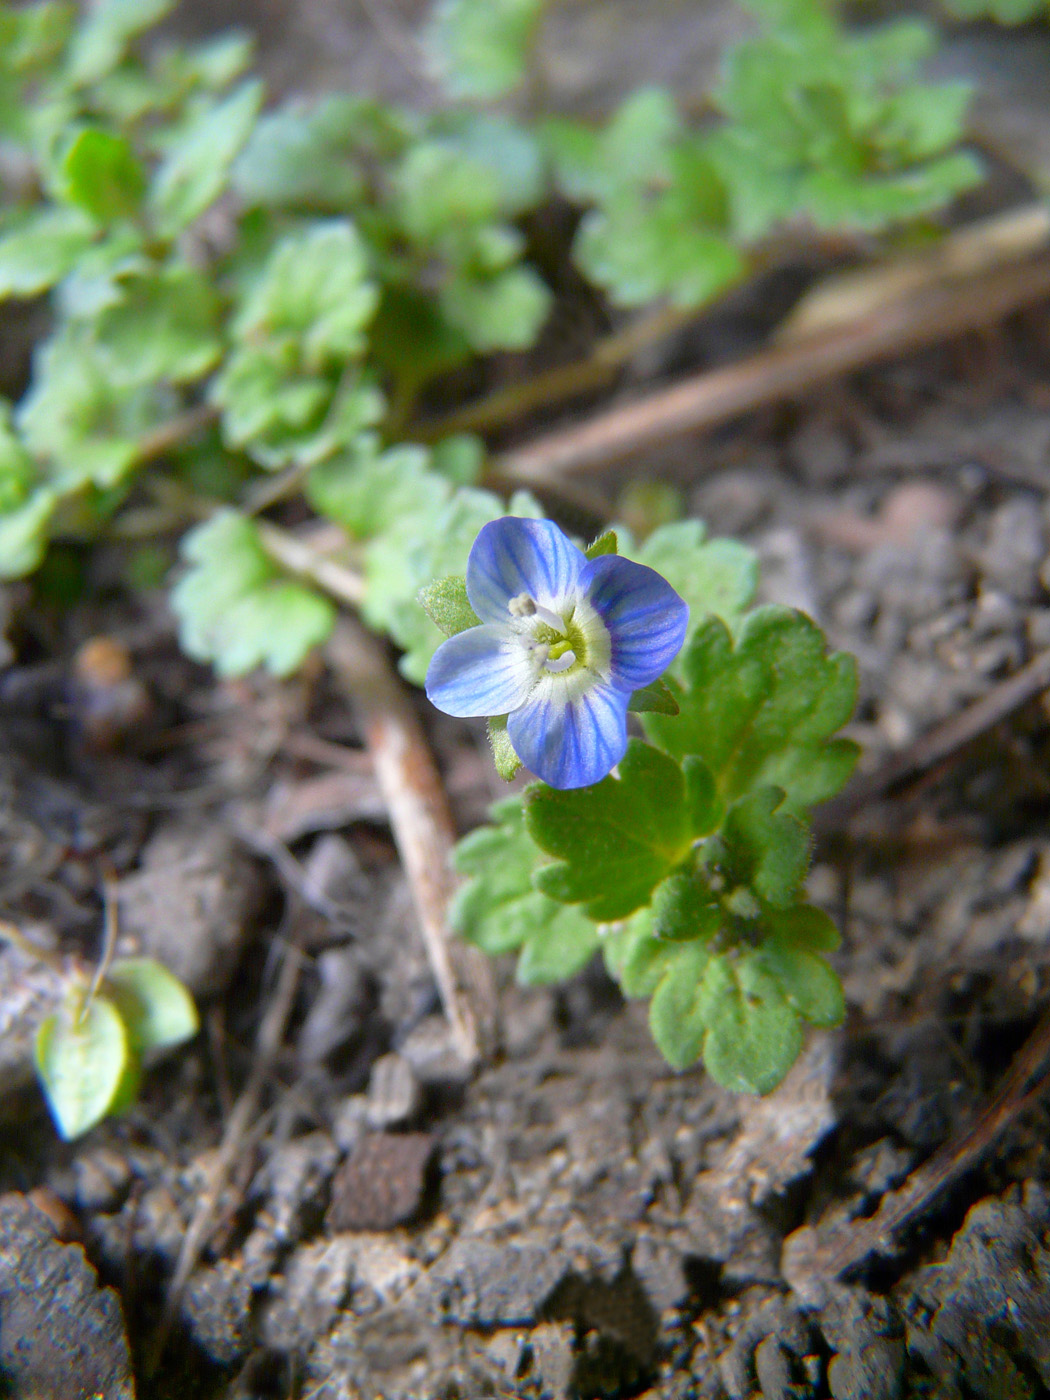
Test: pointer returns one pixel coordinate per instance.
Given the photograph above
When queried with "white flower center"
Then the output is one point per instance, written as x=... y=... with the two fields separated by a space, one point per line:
x=577 y=641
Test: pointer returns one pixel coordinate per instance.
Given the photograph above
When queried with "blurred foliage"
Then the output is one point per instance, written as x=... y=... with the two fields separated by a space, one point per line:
x=305 y=272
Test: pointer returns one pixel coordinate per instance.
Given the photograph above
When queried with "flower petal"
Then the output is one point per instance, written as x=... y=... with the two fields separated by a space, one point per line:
x=482 y=671
x=570 y=742
x=646 y=618
x=514 y=555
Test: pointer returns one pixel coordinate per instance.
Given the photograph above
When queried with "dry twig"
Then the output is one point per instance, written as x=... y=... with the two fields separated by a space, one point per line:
x=422 y=826
x=938 y=744
x=924 y=316
x=812 y=1260
x=308 y=558
x=235 y=1136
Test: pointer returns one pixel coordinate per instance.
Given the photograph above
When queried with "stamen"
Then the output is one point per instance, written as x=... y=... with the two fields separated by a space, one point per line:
x=521 y=606
x=561 y=663
x=550 y=618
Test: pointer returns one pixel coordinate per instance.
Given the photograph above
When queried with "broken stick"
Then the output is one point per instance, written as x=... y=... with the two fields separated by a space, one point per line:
x=423 y=829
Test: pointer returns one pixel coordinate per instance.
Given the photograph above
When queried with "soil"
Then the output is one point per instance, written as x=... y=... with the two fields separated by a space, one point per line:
x=574 y=1220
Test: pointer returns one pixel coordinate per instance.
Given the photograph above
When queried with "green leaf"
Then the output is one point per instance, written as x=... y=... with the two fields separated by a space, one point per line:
x=82 y=1053
x=766 y=850
x=615 y=841
x=33 y=36
x=507 y=762
x=286 y=391
x=657 y=698
x=236 y=610
x=641 y=249
x=606 y=543
x=23 y=533
x=442 y=189
x=752 y=1035
x=631 y=151
x=715 y=577
x=807 y=980
x=42 y=250
x=163 y=328
x=681 y=1002
x=507 y=151
x=316 y=157
x=315 y=292
x=504 y=312
x=762 y=712
x=479 y=48
x=101 y=41
x=102 y=175
x=195 y=170
x=369 y=491
x=684 y=907
x=460 y=458
x=18 y=471
x=499 y=909
x=448 y=606
x=156 y=1008
x=86 y=427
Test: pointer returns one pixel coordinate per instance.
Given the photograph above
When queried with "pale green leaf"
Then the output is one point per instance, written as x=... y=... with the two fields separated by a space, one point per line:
x=43 y=249
x=157 y=1009
x=196 y=169
x=480 y=48
x=81 y=1055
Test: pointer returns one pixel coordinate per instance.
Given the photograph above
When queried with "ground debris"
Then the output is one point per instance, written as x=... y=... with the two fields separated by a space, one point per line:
x=61 y=1336
x=190 y=903
x=979 y=1320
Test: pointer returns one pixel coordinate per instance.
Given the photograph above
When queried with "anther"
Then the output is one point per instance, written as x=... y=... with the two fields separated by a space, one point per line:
x=521 y=606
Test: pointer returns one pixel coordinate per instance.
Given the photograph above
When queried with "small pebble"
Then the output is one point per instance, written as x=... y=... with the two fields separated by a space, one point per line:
x=382 y=1183
x=394 y=1094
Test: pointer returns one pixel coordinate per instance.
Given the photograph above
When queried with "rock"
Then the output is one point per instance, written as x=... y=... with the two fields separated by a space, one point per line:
x=773 y=1369
x=190 y=903
x=338 y=1009
x=787 y=570
x=549 y=1358
x=61 y=1336
x=775 y=1321
x=29 y=991
x=1016 y=549
x=981 y=1317
x=867 y=1335
x=306 y=1300
x=484 y=1282
x=394 y=1094
x=217 y=1311
x=102 y=1179
x=434 y=1054
x=381 y=1184
x=294 y=1183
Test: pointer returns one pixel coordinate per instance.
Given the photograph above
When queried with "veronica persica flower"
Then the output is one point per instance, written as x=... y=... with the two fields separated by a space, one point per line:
x=563 y=643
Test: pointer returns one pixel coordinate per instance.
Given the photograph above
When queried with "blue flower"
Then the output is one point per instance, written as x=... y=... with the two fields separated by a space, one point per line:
x=564 y=641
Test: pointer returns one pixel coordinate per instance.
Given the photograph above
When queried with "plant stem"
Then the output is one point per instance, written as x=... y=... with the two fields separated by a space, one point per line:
x=553 y=386
x=308 y=558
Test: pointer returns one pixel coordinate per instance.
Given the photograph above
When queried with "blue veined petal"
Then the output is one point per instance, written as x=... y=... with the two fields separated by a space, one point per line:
x=512 y=556
x=570 y=742
x=482 y=671
x=645 y=616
